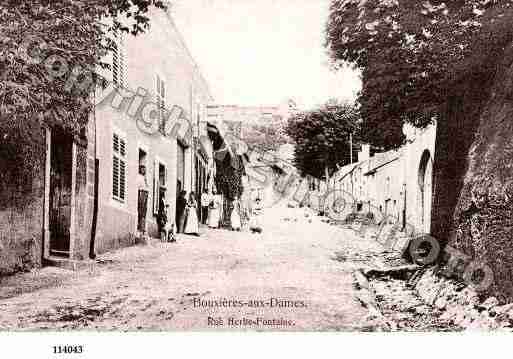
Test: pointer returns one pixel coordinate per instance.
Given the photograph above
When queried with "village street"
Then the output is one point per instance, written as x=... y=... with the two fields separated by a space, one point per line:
x=160 y=286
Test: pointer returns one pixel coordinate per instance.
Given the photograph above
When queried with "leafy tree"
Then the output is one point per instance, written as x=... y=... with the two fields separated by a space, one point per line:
x=61 y=35
x=266 y=136
x=414 y=54
x=230 y=170
x=322 y=136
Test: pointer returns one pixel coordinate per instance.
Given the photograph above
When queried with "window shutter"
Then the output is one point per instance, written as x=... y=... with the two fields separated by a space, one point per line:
x=122 y=179
x=122 y=147
x=115 y=176
x=115 y=142
x=119 y=167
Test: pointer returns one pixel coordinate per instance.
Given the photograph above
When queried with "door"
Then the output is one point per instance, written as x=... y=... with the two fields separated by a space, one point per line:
x=60 y=193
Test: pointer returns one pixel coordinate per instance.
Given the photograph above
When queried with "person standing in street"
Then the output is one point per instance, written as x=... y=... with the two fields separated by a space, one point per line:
x=214 y=214
x=142 y=202
x=181 y=206
x=235 y=217
x=162 y=218
x=191 y=224
x=254 y=225
x=206 y=199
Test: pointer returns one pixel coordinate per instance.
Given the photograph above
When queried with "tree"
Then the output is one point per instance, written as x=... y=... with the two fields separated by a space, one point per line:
x=266 y=136
x=414 y=54
x=63 y=35
x=230 y=170
x=322 y=137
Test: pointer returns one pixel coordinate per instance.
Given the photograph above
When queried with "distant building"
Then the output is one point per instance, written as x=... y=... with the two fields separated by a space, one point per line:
x=240 y=118
x=395 y=184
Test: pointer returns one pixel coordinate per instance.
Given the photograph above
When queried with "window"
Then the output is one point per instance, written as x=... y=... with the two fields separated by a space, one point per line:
x=119 y=61
x=118 y=168
x=162 y=175
x=142 y=162
x=161 y=95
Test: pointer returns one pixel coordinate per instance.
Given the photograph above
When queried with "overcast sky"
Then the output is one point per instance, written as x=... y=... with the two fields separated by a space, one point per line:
x=261 y=52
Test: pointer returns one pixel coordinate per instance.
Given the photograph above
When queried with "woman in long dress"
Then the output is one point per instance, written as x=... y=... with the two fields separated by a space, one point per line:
x=191 y=224
x=255 y=225
x=235 y=216
x=214 y=212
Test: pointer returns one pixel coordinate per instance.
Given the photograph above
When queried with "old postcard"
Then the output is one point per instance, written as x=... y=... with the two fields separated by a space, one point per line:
x=255 y=166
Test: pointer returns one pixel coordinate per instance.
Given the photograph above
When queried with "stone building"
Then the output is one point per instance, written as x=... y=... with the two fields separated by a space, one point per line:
x=397 y=184
x=175 y=158
x=83 y=200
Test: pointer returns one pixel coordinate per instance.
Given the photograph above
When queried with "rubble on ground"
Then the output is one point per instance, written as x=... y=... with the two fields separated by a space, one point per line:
x=461 y=304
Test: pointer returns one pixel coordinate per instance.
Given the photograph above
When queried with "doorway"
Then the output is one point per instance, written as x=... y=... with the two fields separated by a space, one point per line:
x=60 y=199
x=425 y=191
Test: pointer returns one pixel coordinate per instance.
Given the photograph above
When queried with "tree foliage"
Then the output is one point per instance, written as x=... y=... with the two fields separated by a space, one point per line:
x=230 y=170
x=61 y=36
x=322 y=136
x=263 y=137
x=413 y=54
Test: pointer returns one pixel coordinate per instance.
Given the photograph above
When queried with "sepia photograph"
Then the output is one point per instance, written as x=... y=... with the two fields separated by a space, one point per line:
x=285 y=166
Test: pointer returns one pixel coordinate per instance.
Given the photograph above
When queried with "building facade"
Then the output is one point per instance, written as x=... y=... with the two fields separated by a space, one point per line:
x=84 y=199
x=396 y=185
x=158 y=63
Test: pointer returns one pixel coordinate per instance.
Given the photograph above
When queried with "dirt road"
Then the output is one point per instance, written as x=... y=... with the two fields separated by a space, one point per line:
x=284 y=279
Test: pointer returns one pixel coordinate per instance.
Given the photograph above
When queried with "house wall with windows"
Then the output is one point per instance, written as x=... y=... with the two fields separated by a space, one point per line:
x=158 y=64
x=396 y=184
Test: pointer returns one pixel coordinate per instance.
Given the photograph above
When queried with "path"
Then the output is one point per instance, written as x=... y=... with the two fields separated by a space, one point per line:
x=170 y=286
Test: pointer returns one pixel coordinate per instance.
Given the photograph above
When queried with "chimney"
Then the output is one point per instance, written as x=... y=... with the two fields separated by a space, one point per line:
x=364 y=153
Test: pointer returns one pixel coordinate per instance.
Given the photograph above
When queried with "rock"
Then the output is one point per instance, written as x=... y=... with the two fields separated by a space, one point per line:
x=489 y=303
x=483 y=322
x=441 y=302
x=469 y=317
x=504 y=309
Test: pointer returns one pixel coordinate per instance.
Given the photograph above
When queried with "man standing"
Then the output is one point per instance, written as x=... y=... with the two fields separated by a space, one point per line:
x=181 y=205
x=142 y=202
x=206 y=199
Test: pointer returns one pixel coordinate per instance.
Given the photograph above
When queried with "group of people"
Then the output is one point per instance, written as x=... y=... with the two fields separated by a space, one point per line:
x=211 y=207
x=186 y=220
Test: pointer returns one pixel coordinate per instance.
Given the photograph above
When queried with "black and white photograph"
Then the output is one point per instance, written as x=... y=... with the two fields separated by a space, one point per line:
x=256 y=166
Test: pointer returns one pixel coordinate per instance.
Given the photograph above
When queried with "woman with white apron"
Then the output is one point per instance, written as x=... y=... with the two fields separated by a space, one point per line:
x=235 y=216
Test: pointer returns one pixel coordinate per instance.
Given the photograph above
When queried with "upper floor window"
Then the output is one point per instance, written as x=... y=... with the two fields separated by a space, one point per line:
x=119 y=168
x=161 y=95
x=119 y=60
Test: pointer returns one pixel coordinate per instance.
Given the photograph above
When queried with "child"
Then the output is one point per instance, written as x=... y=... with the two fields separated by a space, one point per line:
x=235 y=216
x=254 y=224
x=170 y=233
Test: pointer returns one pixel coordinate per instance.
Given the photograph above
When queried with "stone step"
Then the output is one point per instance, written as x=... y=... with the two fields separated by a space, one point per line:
x=69 y=264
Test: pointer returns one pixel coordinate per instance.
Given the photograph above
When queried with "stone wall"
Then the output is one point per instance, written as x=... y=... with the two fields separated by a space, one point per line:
x=21 y=220
x=483 y=218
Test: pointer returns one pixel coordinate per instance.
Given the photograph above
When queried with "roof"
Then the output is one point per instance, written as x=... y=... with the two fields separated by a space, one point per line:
x=346 y=170
x=381 y=159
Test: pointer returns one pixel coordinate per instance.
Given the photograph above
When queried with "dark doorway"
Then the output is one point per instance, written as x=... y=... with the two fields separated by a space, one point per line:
x=60 y=193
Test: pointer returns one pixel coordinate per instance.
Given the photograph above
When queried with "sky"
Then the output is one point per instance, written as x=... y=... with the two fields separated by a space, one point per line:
x=263 y=52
